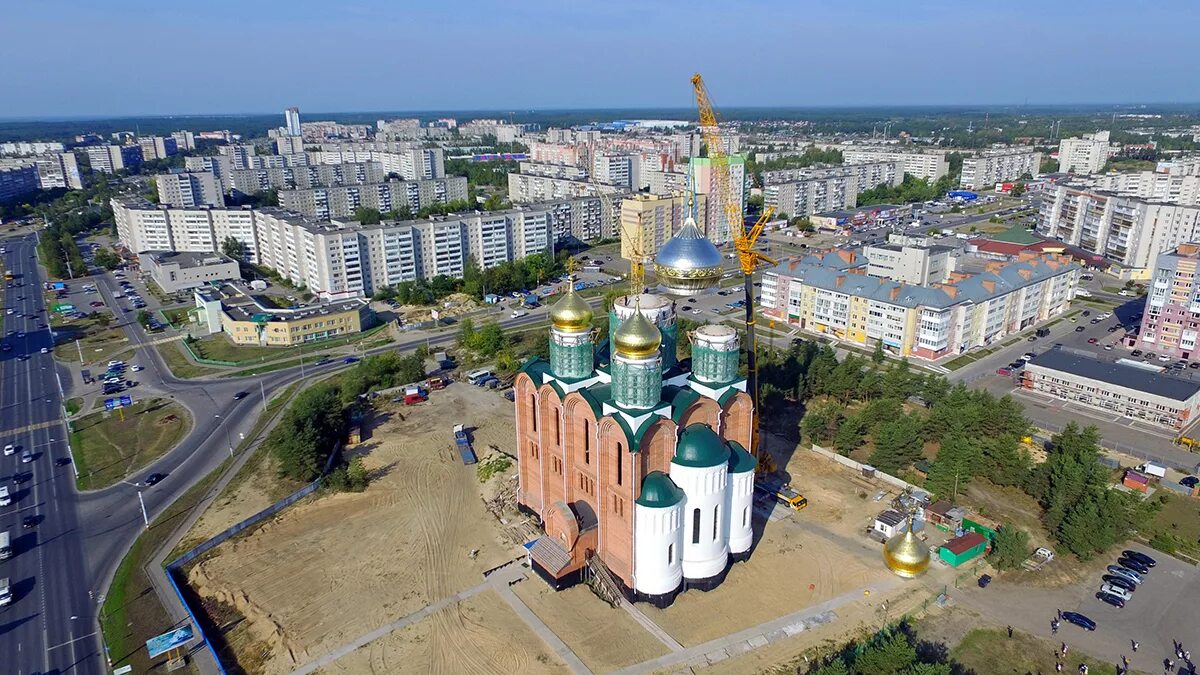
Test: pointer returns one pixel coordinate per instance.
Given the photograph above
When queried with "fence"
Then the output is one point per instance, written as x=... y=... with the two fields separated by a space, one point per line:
x=857 y=466
x=200 y=549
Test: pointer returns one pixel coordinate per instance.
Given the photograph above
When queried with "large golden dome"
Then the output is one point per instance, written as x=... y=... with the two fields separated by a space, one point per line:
x=906 y=555
x=636 y=337
x=571 y=313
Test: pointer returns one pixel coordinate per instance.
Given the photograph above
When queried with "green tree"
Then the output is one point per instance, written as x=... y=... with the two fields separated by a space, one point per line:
x=1017 y=190
x=954 y=466
x=850 y=434
x=877 y=356
x=821 y=421
x=1010 y=548
x=898 y=443
x=107 y=258
x=233 y=248
x=143 y=318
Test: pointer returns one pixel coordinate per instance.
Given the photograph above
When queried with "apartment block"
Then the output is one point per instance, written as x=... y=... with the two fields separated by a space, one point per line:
x=666 y=182
x=524 y=188
x=1155 y=186
x=302 y=177
x=189 y=189
x=916 y=265
x=341 y=202
x=114 y=158
x=184 y=139
x=834 y=295
x=866 y=174
x=157 y=147
x=812 y=196
x=554 y=153
x=288 y=145
x=927 y=164
x=704 y=181
x=622 y=171
x=57 y=170
x=563 y=171
x=17 y=181
x=1171 y=317
x=649 y=221
x=1087 y=154
x=29 y=148
x=1129 y=231
x=997 y=166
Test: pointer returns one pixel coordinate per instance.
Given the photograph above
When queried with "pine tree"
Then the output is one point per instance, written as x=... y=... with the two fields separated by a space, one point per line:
x=898 y=443
x=850 y=434
x=1010 y=548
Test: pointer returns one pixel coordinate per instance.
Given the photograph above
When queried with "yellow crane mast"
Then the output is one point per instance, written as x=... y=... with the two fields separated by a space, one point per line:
x=743 y=240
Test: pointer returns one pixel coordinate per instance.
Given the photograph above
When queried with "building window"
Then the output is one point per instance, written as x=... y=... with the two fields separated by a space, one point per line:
x=587 y=443
x=745 y=516
x=558 y=466
x=716 y=519
x=620 y=463
x=695 y=526
x=670 y=554
x=618 y=506
x=557 y=429
x=533 y=450
x=533 y=407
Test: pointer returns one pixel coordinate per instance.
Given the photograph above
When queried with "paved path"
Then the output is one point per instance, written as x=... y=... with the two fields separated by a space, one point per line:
x=651 y=627
x=763 y=634
x=543 y=631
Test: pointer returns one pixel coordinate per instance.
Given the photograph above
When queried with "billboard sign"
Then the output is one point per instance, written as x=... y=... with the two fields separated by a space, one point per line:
x=119 y=402
x=164 y=643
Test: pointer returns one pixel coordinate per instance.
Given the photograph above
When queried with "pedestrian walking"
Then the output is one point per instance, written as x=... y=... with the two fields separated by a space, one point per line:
x=1010 y=631
x=1054 y=627
x=1064 y=649
x=1058 y=666
x=1135 y=646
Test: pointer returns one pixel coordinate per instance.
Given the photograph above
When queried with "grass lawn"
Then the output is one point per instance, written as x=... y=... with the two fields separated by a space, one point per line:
x=220 y=348
x=99 y=345
x=1179 y=517
x=132 y=613
x=990 y=650
x=181 y=366
x=107 y=448
x=176 y=317
x=73 y=405
x=970 y=357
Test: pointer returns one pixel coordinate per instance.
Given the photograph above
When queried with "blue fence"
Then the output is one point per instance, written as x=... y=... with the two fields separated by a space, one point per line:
x=205 y=546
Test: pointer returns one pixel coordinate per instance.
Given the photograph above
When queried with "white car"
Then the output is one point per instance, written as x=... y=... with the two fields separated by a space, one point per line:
x=26 y=457
x=517 y=314
x=113 y=364
x=9 y=310
x=9 y=449
x=45 y=350
x=1164 y=358
x=1121 y=593
x=135 y=368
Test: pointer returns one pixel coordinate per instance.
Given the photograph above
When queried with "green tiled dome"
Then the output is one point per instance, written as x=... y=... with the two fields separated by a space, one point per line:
x=659 y=491
x=700 y=446
x=740 y=460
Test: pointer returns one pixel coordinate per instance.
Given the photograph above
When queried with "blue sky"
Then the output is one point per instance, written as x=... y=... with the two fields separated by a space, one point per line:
x=81 y=57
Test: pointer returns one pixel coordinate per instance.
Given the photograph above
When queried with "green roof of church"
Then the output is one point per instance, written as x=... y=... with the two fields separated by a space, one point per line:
x=700 y=446
x=659 y=491
x=740 y=460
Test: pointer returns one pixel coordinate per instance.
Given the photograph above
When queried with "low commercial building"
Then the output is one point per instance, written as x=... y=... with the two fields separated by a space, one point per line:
x=174 y=271
x=997 y=166
x=247 y=321
x=1129 y=391
x=850 y=219
x=963 y=549
x=833 y=295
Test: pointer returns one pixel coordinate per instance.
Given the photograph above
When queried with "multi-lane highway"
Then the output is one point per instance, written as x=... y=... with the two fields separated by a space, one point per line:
x=49 y=627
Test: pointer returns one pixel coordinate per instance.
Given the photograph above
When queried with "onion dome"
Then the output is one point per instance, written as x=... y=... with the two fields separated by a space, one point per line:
x=571 y=313
x=659 y=491
x=700 y=446
x=905 y=554
x=689 y=262
x=637 y=338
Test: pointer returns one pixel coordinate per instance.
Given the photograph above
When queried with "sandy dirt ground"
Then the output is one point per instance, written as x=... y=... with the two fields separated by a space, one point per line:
x=489 y=638
x=605 y=638
x=367 y=559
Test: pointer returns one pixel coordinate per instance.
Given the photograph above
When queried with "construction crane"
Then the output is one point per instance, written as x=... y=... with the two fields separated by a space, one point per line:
x=743 y=241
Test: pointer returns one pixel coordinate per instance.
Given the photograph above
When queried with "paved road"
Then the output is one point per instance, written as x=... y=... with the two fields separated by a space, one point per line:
x=47 y=627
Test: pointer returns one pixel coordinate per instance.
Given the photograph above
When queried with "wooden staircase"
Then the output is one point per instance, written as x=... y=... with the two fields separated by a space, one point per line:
x=600 y=580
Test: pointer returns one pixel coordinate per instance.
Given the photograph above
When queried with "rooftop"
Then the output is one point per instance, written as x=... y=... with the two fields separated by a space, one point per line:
x=1117 y=374
x=968 y=541
x=187 y=259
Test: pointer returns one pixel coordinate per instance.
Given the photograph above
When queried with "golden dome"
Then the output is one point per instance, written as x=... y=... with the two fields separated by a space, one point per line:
x=571 y=313
x=636 y=337
x=906 y=555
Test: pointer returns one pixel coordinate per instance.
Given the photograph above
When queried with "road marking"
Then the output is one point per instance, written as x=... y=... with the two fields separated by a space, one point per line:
x=74 y=640
x=29 y=428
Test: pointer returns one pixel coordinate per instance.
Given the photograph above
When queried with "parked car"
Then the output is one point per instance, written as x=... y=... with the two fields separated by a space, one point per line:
x=26 y=457
x=1004 y=372
x=1135 y=565
x=1079 y=329
x=1109 y=598
x=1117 y=591
x=1092 y=341
x=985 y=580
x=1126 y=573
x=1119 y=582
x=1079 y=620
x=1138 y=555
x=1189 y=481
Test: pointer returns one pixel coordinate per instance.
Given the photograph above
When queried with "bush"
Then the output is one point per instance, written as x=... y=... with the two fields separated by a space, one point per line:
x=1165 y=542
x=350 y=477
x=491 y=467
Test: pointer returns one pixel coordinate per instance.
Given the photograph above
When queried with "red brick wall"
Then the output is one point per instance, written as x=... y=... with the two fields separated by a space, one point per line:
x=704 y=410
x=738 y=419
x=554 y=467
x=528 y=456
x=616 y=513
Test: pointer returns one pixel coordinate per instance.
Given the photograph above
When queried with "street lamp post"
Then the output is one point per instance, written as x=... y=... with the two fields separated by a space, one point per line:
x=228 y=439
x=145 y=518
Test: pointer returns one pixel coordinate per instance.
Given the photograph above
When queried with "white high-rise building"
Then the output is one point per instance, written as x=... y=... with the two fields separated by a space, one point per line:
x=1084 y=155
x=189 y=189
x=291 y=118
x=997 y=166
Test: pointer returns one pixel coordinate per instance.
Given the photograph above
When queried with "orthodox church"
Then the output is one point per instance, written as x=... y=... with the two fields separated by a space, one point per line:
x=636 y=464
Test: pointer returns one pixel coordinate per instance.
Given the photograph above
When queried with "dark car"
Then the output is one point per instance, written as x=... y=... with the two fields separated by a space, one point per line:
x=1137 y=555
x=1136 y=352
x=1189 y=481
x=1135 y=565
x=62 y=461
x=1079 y=620
x=28 y=521
x=1079 y=329
x=350 y=359
x=240 y=395
x=1120 y=582
x=985 y=580
x=1110 y=599
x=154 y=478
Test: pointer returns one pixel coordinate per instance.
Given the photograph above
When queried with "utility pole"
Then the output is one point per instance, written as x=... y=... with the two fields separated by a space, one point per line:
x=80 y=348
x=263 y=390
